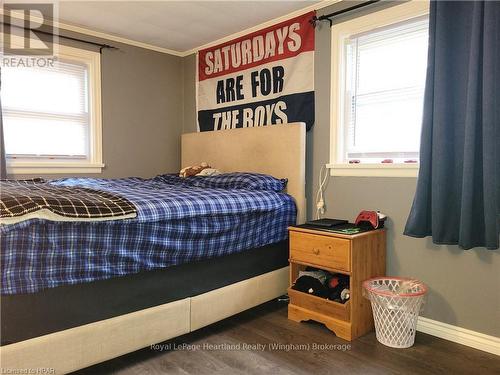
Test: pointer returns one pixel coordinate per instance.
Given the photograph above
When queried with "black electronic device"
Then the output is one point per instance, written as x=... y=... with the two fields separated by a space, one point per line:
x=326 y=223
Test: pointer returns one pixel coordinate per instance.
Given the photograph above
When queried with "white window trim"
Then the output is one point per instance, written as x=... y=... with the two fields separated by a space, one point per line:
x=94 y=164
x=339 y=33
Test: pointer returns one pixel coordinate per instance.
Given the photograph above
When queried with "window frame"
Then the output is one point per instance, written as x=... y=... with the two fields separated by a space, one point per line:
x=339 y=33
x=93 y=163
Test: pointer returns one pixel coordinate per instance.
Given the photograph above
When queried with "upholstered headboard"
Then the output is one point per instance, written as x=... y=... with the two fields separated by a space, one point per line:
x=277 y=150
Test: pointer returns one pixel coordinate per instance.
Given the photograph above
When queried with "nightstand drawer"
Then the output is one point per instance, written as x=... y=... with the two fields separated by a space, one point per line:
x=320 y=250
x=320 y=305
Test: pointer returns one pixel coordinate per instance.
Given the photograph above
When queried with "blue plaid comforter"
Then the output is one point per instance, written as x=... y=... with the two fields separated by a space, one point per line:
x=176 y=223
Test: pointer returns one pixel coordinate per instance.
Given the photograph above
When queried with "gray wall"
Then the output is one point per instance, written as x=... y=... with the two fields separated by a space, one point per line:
x=463 y=284
x=189 y=86
x=141 y=117
x=149 y=100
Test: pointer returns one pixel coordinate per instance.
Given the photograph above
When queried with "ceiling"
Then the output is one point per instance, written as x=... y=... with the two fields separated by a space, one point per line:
x=175 y=25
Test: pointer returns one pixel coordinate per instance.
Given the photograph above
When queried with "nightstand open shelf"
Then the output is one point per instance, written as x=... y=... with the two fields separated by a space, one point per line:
x=360 y=256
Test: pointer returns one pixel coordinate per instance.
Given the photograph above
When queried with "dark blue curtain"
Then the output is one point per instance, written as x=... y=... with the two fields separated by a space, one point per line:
x=458 y=188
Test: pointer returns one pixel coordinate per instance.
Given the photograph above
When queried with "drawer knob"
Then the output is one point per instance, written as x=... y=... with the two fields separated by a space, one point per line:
x=316 y=251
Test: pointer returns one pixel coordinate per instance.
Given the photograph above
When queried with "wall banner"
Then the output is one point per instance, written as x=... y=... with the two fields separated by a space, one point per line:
x=263 y=78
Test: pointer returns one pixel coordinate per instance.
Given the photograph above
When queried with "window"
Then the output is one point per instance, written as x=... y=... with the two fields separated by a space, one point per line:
x=380 y=67
x=51 y=114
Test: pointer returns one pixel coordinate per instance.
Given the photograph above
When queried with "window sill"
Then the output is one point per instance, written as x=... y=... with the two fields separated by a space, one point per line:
x=38 y=168
x=374 y=170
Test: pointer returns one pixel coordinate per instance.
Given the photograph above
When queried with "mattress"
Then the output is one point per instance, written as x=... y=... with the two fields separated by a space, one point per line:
x=175 y=224
x=26 y=316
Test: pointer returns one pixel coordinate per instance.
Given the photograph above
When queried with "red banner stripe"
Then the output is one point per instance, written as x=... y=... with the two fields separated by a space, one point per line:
x=278 y=42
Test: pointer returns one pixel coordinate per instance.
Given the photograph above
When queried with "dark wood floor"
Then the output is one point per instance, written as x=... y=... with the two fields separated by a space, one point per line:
x=267 y=324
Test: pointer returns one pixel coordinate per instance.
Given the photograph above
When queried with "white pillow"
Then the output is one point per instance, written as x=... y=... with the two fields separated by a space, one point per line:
x=209 y=172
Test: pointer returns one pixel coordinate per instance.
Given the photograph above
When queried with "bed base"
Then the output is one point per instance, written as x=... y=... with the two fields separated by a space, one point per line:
x=76 y=348
x=278 y=150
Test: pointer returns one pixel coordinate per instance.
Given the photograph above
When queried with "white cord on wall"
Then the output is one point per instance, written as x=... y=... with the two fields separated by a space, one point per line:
x=320 y=201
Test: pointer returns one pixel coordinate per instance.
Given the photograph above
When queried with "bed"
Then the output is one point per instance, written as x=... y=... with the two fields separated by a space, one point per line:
x=132 y=310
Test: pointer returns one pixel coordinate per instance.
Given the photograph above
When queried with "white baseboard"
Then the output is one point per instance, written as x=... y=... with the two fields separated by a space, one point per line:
x=476 y=340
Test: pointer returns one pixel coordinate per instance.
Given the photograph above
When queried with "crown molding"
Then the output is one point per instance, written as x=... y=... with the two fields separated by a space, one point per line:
x=114 y=38
x=110 y=37
x=101 y=35
x=320 y=5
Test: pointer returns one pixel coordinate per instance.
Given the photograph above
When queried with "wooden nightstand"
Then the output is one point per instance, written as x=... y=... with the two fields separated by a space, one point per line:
x=361 y=256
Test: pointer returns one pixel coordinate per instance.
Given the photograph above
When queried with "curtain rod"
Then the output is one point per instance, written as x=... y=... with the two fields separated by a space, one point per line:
x=100 y=45
x=328 y=17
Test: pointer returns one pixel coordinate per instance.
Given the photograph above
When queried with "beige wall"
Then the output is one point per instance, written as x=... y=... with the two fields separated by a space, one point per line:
x=142 y=113
x=463 y=284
